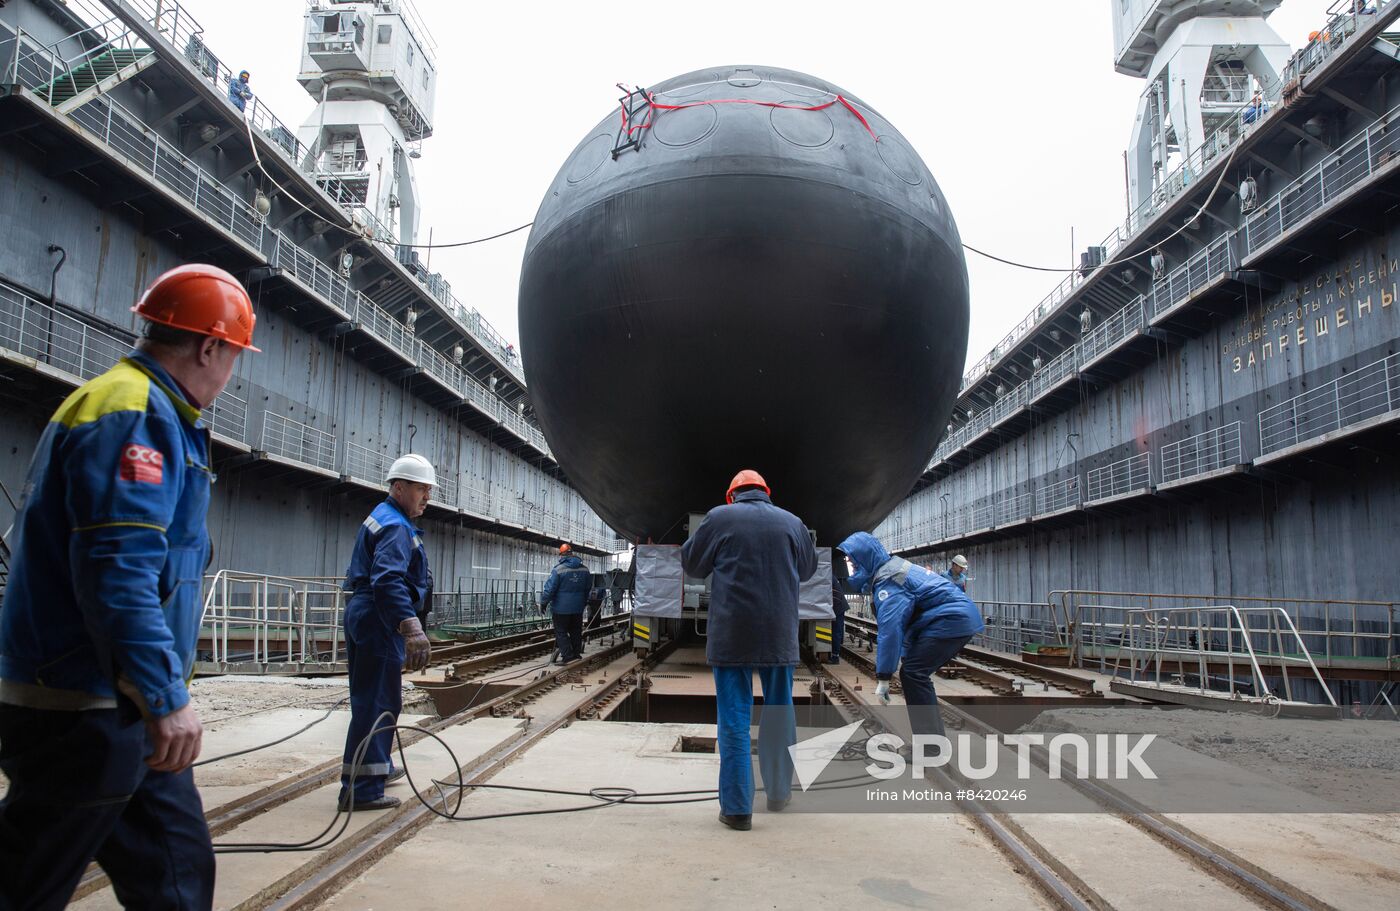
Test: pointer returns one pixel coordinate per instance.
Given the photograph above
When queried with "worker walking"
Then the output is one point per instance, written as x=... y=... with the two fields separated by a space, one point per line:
x=956 y=572
x=238 y=91
x=565 y=594
x=923 y=618
x=101 y=616
x=758 y=555
x=388 y=579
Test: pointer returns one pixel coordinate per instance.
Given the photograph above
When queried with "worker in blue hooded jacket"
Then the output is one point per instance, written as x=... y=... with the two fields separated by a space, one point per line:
x=565 y=593
x=923 y=619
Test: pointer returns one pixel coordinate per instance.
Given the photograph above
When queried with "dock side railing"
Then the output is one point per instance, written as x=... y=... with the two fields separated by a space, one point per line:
x=1148 y=643
x=1337 y=634
x=254 y=621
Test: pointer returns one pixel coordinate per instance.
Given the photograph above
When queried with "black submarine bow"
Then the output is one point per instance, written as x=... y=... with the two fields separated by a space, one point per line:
x=747 y=267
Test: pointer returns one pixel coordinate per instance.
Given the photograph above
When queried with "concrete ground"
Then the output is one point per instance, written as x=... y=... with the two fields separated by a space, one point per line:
x=678 y=856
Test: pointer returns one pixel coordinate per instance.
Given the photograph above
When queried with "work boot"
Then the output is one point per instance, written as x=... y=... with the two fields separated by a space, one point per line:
x=834 y=659
x=777 y=804
x=740 y=823
x=396 y=775
x=379 y=803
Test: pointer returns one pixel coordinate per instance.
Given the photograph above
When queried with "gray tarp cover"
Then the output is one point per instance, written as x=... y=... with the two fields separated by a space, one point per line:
x=659 y=584
x=658 y=581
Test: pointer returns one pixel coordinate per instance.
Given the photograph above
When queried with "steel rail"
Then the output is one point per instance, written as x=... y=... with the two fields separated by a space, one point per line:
x=1050 y=876
x=1215 y=860
x=228 y=816
x=318 y=879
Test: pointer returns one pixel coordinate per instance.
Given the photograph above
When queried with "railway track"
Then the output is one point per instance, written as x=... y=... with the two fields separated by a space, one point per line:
x=1002 y=674
x=228 y=816
x=1065 y=886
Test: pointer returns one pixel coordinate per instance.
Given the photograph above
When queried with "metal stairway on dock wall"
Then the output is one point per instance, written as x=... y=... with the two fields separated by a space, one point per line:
x=99 y=72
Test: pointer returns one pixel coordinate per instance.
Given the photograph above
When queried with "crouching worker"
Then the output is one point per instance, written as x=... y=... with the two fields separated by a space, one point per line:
x=388 y=580
x=923 y=618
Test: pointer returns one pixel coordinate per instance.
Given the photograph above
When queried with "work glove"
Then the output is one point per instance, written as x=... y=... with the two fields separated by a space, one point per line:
x=882 y=689
x=415 y=644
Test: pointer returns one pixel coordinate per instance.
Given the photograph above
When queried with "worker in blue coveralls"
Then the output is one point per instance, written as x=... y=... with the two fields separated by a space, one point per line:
x=759 y=555
x=101 y=616
x=565 y=594
x=956 y=572
x=923 y=618
x=238 y=91
x=388 y=580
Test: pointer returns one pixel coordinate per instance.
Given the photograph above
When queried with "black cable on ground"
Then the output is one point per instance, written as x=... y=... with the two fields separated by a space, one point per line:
x=274 y=743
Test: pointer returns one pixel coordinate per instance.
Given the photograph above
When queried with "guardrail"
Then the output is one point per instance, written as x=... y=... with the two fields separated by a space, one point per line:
x=1338 y=632
x=1204 y=265
x=1123 y=476
x=1013 y=625
x=1148 y=639
x=1104 y=337
x=1066 y=363
x=1219 y=447
x=1340 y=27
x=364 y=463
x=1365 y=393
x=294 y=440
x=1012 y=509
x=253 y=620
x=1055 y=497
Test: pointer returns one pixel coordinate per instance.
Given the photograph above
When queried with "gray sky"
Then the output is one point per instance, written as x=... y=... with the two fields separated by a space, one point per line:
x=1014 y=105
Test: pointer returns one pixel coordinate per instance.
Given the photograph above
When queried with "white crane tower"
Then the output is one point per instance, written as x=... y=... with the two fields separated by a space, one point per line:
x=369 y=64
x=1204 y=62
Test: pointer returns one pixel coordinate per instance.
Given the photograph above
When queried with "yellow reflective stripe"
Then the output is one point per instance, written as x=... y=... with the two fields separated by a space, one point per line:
x=159 y=528
x=186 y=410
x=123 y=388
x=641 y=632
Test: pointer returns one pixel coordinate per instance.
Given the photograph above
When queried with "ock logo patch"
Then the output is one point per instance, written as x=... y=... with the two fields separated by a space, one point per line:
x=141 y=463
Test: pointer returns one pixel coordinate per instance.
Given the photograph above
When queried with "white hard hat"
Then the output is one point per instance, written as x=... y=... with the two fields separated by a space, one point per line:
x=412 y=467
x=960 y=560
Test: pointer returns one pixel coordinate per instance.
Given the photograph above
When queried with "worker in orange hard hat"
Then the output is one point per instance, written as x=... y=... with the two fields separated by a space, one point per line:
x=565 y=595
x=102 y=610
x=757 y=557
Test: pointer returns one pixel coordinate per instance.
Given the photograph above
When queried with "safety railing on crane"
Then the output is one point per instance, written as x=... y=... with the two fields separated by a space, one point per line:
x=1018 y=626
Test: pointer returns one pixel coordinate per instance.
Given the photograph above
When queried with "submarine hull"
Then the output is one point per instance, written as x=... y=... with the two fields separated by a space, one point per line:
x=753 y=287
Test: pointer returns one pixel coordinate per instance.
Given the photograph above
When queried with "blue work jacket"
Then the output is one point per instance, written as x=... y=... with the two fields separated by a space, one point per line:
x=960 y=581
x=759 y=556
x=566 y=590
x=910 y=602
x=388 y=571
x=110 y=548
x=239 y=93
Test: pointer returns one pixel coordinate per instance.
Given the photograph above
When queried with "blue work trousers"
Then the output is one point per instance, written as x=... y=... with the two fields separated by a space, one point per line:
x=777 y=730
x=921 y=661
x=80 y=790
x=838 y=632
x=375 y=654
x=568 y=635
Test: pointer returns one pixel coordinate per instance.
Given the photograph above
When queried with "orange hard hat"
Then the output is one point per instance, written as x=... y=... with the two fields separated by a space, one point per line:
x=565 y=549
x=202 y=299
x=746 y=478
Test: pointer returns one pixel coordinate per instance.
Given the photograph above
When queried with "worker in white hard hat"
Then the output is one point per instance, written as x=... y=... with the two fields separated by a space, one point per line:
x=956 y=572
x=388 y=580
